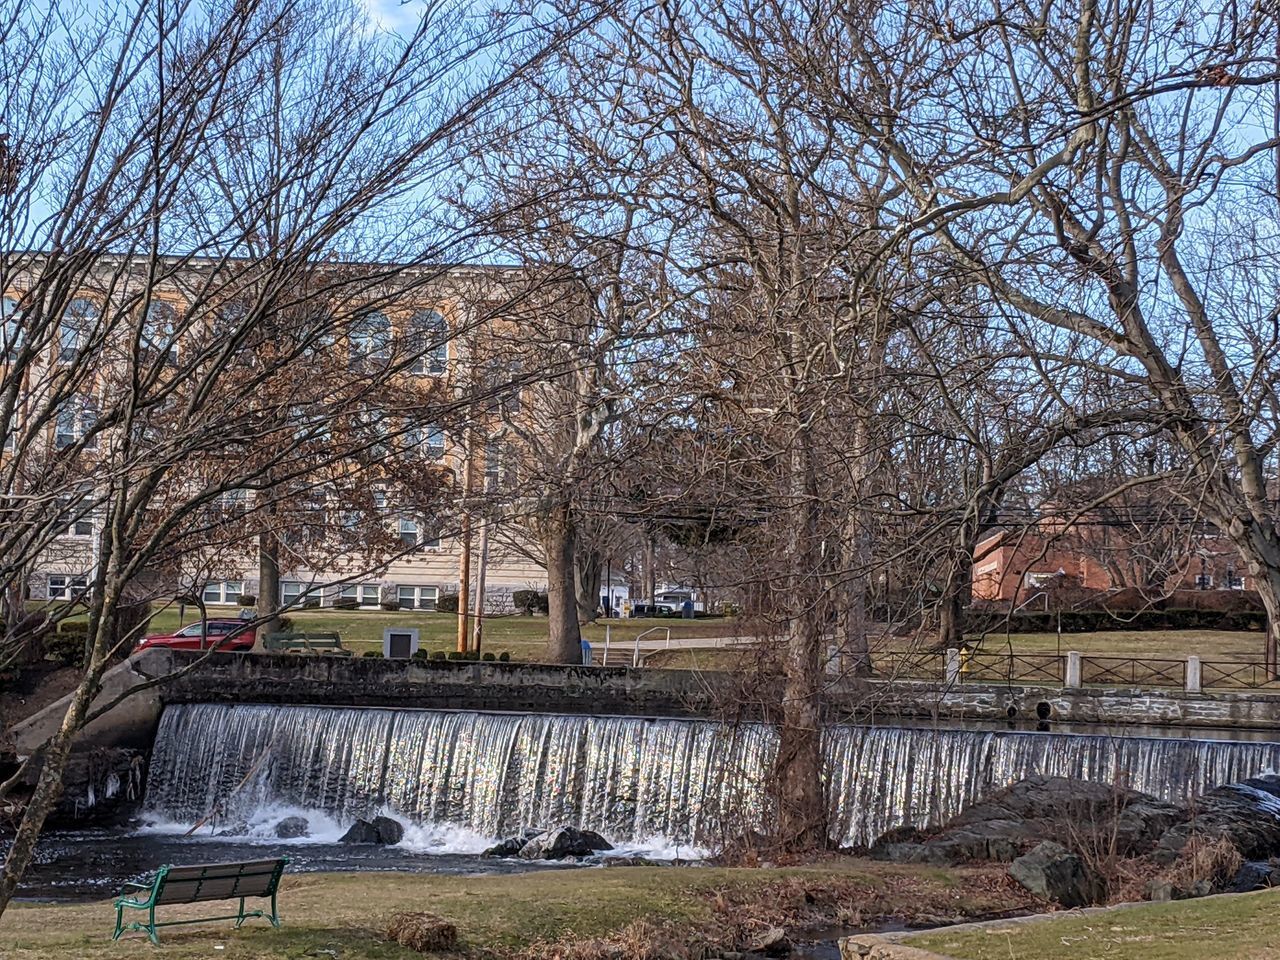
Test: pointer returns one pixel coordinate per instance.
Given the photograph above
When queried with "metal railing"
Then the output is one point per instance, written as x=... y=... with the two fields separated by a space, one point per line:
x=1010 y=668
x=1132 y=672
x=1226 y=675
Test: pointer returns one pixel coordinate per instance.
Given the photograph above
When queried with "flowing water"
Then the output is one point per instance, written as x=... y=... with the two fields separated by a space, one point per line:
x=459 y=778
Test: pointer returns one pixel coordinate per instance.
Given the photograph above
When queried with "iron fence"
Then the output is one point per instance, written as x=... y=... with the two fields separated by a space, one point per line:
x=1132 y=671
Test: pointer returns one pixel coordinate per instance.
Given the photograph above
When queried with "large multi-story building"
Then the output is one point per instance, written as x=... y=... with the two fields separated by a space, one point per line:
x=441 y=315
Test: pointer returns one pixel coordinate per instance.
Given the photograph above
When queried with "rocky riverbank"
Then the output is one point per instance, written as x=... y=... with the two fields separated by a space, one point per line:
x=1076 y=842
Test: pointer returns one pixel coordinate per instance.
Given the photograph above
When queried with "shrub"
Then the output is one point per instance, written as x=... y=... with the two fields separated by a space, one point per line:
x=391 y=605
x=346 y=603
x=247 y=600
x=489 y=657
x=439 y=655
x=311 y=603
x=504 y=657
x=372 y=653
x=420 y=654
x=286 y=624
x=67 y=645
x=530 y=602
x=447 y=603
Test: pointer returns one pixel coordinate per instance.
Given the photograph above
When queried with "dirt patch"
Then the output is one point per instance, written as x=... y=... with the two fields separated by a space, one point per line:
x=31 y=689
x=800 y=908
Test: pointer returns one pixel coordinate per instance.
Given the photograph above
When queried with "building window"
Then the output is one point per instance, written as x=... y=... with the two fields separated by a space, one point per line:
x=1234 y=582
x=10 y=329
x=293 y=592
x=430 y=333
x=233 y=499
x=1204 y=581
x=160 y=331
x=369 y=422
x=425 y=439
x=223 y=591
x=66 y=587
x=408 y=530
x=370 y=339
x=364 y=594
x=73 y=332
x=75 y=422
x=492 y=465
x=417 y=598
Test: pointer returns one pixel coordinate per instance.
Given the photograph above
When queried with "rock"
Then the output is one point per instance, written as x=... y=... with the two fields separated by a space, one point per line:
x=772 y=942
x=1247 y=814
x=1160 y=890
x=1052 y=872
x=1255 y=875
x=239 y=828
x=1011 y=822
x=290 y=828
x=380 y=830
x=563 y=842
x=509 y=847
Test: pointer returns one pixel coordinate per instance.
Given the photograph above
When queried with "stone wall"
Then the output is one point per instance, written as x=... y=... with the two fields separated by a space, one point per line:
x=430 y=684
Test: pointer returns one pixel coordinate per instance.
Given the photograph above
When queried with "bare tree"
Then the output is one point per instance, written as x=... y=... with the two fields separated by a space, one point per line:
x=237 y=187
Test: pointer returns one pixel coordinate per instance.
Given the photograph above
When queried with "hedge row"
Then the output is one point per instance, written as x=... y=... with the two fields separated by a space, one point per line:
x=1088 y=621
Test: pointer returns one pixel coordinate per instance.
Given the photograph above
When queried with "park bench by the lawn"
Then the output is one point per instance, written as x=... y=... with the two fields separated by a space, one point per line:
x=305 y=642
x=200 y=884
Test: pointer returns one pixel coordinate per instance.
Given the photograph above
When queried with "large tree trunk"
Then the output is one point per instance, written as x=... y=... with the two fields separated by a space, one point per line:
x=798 y=775
x=564 y=639
x=268 y=583
x=1267 y=580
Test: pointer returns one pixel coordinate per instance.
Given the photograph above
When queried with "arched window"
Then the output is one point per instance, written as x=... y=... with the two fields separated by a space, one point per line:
x=370 y=339
x=10 y=329
x=430 y=342
x=73 y=332
x=160 y=331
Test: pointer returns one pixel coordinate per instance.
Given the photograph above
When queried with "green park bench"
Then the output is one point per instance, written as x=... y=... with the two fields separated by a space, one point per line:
x=200 y=884
x=305 y=642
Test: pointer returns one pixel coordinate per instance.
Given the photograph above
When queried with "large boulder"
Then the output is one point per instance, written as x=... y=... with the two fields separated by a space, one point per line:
x=1247 y=814
x=379 y=830
x=290 y=828
x=563 y=842
x=1052 y=872
x=1012 y=821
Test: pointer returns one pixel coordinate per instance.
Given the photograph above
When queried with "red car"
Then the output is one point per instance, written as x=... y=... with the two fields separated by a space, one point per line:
x=225 y=636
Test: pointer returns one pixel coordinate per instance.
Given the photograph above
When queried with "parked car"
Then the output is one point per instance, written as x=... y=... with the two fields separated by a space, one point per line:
x=225 y=636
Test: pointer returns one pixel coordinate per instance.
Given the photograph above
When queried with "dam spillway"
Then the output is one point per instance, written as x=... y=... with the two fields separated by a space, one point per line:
x=631 y=778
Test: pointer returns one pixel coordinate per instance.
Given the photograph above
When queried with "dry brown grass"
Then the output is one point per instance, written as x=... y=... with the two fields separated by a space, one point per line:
x=424 y=932
x=1202 y=859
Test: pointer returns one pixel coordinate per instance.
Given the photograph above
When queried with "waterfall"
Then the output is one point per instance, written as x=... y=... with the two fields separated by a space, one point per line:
x=629 y=778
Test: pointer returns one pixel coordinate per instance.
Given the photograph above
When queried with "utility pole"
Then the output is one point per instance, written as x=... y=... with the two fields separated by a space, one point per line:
x=464 y=561
x=477 y=633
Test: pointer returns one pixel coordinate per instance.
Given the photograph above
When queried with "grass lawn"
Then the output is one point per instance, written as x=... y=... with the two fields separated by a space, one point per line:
x=523 y=637
x=1242 y=646
x=343 y=915
x=1240 y=927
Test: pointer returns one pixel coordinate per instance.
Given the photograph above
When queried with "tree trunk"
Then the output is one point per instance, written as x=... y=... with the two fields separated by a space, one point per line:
x=1268 y=584
x=564 y=639
x=268 y=582
x=650 y=569
x=49 y=783
x=950 y=614
x=586 y=580
x=798 y=778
